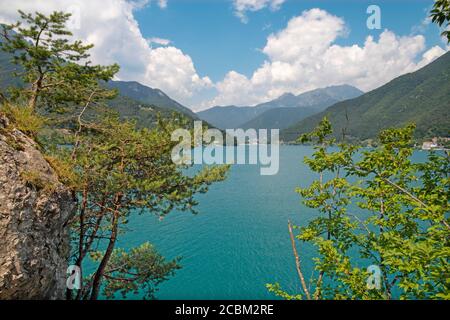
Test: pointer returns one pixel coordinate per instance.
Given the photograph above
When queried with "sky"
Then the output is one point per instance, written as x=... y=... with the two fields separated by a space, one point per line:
x=204 y=53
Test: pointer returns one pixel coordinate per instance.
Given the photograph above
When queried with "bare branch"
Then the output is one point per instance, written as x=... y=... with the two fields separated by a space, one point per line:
x=297 y=262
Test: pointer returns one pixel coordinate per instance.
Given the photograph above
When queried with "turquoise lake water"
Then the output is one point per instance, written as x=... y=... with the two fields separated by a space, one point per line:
x=239 y=240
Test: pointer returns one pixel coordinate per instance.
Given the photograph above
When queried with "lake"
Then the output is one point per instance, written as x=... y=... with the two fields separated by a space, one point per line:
x=239 y=241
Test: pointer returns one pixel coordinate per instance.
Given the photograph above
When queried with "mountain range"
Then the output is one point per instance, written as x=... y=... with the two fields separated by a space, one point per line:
x=155 y=97
x=134 y=101
x=279 y=113
x=421 y=97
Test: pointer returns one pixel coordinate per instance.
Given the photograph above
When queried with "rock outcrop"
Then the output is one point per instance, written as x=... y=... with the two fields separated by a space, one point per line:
x=34 y=211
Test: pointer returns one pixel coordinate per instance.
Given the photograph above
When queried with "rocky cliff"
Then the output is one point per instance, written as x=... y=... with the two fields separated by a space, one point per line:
x=34 y=211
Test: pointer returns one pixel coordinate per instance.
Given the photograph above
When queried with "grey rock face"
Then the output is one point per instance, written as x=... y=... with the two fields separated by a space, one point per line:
x=34 y=211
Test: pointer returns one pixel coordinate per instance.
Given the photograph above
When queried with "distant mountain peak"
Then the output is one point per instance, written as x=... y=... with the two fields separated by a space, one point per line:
x=341 y=86
x=306 y=103
x=287 y=95
x=148 y=95
x=420 y=97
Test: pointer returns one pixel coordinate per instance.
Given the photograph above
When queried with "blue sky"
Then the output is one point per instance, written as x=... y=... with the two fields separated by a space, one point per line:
x=218 y=42
x=205 y=53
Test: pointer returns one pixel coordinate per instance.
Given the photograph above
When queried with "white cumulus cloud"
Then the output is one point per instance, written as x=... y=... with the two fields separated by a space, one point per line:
x=159 y=41
x=162 y=4
x=242 y=6
x=174 y=71
x=302 y=56
x=305 y=56
x=110 y=25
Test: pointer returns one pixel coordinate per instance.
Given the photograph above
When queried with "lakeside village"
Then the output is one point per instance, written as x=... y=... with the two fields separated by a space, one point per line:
x=238 y=137
x=436 y=144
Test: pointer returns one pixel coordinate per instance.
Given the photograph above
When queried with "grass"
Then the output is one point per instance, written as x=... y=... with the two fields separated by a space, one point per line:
x=24 y=119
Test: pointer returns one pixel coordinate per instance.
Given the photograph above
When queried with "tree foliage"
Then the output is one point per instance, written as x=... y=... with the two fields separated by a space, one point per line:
x=114 y=168
x=141 y=269
x=120 y=170
x=378 y=208
x=55 y=70
x=441 y=15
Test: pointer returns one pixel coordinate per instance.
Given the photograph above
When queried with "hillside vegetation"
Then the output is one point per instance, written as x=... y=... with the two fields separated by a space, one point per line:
x=422 y=97
x=278 y=113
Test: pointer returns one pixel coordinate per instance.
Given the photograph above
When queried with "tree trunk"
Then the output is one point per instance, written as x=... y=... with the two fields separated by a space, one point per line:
x=109 y=250
x=37 y=86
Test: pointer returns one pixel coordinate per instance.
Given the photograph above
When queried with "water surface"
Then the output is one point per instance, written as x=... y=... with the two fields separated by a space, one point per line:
x=239 y=241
